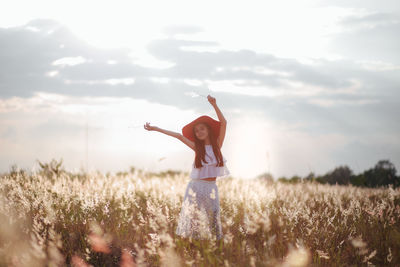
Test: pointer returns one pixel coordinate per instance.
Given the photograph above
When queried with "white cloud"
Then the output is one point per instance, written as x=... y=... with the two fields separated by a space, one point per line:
x=122 y=81
x=162 y=80
x=31 y=28
x=145 y=59
x=264 y=26
x=69 y=61
x=52 y=73
x=125 y=81
x=201 y=49
x=378 y=65
x=326 y=102
x=368 y=20
x=193 y=82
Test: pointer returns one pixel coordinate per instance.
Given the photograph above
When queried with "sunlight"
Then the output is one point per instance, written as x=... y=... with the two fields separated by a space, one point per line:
x=247 y=145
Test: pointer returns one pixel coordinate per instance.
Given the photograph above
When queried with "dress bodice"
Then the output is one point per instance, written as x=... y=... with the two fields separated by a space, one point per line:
x=209 y=168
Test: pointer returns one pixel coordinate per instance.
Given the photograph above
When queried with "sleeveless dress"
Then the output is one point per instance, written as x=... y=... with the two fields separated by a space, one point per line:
x=199 y=217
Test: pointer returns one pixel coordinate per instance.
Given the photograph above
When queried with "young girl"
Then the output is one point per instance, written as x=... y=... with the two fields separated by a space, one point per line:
x=199 y=217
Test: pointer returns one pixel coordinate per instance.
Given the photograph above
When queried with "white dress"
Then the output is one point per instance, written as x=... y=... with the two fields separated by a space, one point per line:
x=199 y=217
x=210 y=168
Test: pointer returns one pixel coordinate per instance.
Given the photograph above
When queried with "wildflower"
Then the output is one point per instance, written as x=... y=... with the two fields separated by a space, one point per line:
x=252 y=261
x=168 y=257
x=191 y=192
x=155 y=239
x=322 y=254
x=79 y=262
x=228 y=237
x=98 y=243
x=358 y=242
x=271 y=240
x=297 y=257
x=373 y=253
x=389 y=256
x=126 y=259
x=212 y=195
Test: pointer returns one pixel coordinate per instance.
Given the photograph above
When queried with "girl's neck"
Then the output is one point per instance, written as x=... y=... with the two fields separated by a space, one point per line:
x=207 y=142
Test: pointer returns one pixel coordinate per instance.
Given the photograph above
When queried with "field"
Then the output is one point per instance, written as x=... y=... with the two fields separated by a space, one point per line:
x=130 y=220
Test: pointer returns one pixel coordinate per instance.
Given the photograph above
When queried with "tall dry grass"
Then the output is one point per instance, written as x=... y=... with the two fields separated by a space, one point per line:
x=130 y=220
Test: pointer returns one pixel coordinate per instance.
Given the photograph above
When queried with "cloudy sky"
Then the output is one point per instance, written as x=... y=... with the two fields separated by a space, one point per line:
x=305 y=86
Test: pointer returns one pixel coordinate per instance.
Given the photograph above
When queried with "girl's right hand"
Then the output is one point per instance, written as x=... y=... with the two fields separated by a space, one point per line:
x=148 y=127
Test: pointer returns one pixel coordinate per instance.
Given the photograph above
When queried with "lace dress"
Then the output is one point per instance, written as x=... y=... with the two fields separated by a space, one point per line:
x=199 y=217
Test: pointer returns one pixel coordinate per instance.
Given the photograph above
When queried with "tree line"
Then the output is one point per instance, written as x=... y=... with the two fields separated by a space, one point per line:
x=382 y=174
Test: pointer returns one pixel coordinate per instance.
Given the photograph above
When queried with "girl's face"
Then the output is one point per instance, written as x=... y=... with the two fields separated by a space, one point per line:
x=201 y=131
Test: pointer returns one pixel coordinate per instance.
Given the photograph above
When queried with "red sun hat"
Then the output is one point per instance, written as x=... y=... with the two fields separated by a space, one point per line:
x=187 y=130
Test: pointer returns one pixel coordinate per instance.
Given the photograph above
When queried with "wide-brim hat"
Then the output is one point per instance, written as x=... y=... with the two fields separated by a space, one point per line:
x=187 y=130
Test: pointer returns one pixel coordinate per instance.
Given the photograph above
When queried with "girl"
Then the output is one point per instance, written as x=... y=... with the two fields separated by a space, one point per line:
x=199 y=217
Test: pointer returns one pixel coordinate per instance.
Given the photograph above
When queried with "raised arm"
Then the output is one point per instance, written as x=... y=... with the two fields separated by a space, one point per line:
x=179 y=136
x=221 y=118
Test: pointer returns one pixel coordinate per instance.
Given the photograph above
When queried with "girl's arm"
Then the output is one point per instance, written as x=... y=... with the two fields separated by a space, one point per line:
x=221 y=118
x=179 y=136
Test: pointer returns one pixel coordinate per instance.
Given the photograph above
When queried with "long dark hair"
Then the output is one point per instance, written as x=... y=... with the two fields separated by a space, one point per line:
x=200 y=148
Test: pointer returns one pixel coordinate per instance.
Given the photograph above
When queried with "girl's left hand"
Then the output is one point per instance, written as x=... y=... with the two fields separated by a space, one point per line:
x=211 y=100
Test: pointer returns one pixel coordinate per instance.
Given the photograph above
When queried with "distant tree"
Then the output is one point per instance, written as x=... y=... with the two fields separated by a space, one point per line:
x=320 y=179
x=340 y=175
x=283 y=179
x=384 y=173
x=358 y=180
x=169 y=173
x=310 y=177
x=266 y=176
x=295 y=179
x=122 y=173
x=132 y=169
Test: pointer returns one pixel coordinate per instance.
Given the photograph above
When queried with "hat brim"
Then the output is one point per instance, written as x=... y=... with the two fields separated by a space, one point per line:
x=215 y=126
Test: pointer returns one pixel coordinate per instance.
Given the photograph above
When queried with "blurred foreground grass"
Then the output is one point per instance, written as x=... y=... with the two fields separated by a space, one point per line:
x=130 y=220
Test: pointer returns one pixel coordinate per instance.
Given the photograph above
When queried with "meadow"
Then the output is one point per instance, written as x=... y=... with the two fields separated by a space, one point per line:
x=129 y=219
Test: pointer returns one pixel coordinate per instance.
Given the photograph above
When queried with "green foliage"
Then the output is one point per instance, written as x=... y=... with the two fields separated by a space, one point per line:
x=340 y=175
x=382 y=174
x=283 y=179
x=358 y=180
x=295 y=179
